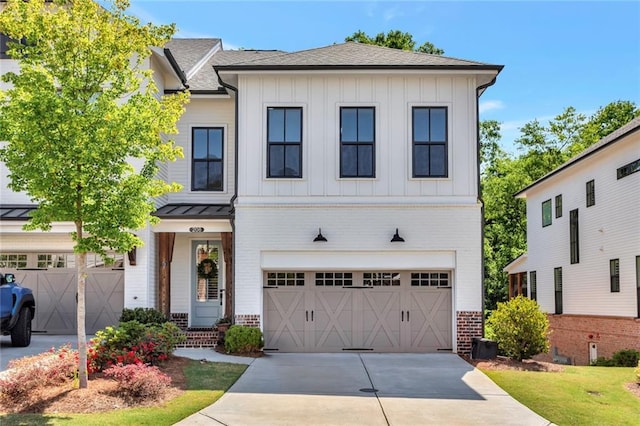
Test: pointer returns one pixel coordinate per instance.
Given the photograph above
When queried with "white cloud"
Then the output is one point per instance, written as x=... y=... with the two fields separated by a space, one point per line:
x=392 y=13
x=490 y=106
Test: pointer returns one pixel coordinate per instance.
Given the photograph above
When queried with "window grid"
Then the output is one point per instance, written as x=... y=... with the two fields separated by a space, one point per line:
x=284 y=142
x=430 y=279
x=13 y=260
x=335 y=279
x=357 y=142
x=429 y=139
x=533 y=282
x=591 y=193
x=614 y=273
x=285 y=279
x=546 y=213
x=574 y=242
x=558 y=206
x=380 y=279
x=207 y=153
x=557 y=282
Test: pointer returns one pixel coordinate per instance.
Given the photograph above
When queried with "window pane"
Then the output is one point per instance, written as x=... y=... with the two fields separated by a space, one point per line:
x=546 y=213
x=276 y=160
x=365 y=125
x=294 y=125
x=292 y=160
x=420 y=124
x=438 y=125
x=421 y=160
x=200 y=143
x=200 y=175
x=349 y=160
x=276 y=125
x=349 y=131
x=438 y=163
x=215 y=176
x=215 y=143
x=365 y=160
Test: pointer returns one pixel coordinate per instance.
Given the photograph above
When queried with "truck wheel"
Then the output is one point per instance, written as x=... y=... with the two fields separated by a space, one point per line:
x=21 y=333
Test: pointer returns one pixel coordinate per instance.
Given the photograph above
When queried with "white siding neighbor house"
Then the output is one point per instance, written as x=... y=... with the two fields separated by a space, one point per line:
x=335 y=189
x=583 y=258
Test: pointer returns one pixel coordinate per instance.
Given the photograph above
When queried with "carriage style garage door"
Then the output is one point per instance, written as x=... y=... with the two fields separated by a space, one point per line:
x=373 y=311
x=55 y=292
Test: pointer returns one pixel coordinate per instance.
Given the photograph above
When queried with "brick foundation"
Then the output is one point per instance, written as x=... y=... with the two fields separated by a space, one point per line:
x=181 y=320
x=252 y=320
x=468 y=326
x=197 y=337
x=573 y=334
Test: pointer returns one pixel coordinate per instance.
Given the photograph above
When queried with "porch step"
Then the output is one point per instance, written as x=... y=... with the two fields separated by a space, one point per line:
x=204 y=337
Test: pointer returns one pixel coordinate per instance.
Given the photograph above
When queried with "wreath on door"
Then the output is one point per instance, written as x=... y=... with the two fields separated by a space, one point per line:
x=207 y=269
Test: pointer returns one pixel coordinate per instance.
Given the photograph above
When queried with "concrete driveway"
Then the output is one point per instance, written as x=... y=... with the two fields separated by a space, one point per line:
x=364 y=389
x=39 y=343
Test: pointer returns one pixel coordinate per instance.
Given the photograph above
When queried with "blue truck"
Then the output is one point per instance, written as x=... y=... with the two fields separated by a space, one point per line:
x=17 y=309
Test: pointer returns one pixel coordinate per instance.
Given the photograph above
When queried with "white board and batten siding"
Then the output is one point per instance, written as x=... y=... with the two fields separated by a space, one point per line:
x=610 y=229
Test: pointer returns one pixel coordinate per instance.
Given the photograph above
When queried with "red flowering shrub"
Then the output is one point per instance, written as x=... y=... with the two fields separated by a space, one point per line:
x=138 y=382
x=48 y=368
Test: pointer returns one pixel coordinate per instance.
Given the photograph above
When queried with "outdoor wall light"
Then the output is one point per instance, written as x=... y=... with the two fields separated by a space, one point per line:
x=397 y=238
x=320 y=237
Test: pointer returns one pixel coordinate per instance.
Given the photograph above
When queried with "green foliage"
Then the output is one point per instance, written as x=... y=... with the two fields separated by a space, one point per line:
x=243 y=339
x=622 y=358
x=394 y=39
x=520 y=328
x=143 y=316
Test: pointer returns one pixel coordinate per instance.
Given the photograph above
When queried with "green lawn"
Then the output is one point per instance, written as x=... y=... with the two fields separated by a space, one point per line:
x=205 y=383
x=578 y=396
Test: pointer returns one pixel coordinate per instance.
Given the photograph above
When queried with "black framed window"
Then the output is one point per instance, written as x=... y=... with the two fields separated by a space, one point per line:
x=357 y=142
x=614 y=275
x=591 y=193
x=546 y=213
x=284 y=142
x=638 y=283
x=429 y=139
x=207 y=152
x=628 y=169
x=557 y=283
x=533 y=284
x=558 y=206
x=574 y=242
x=4 y=40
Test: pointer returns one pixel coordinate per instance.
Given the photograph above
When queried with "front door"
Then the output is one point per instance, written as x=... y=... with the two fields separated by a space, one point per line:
x=206 y=283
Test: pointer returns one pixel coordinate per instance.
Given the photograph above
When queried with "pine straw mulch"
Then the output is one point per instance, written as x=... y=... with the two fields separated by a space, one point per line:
x=99 y=396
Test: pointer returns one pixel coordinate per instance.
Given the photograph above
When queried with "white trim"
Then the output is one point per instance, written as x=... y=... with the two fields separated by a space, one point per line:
x=183 y=225
x=194 y=70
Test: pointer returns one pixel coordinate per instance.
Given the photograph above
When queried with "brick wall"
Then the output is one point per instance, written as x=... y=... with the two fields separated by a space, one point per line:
x=572 y=335
x=468 y=325
x=252 y=320
x=181 y=320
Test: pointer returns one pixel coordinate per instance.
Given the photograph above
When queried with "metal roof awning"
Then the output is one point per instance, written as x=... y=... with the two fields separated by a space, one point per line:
x=16 y=211
x=194 y=211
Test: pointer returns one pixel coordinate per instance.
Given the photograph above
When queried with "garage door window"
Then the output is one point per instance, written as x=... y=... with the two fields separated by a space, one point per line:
x=430 y=279
x=336 y=279
x=275 y=279
x=13 y=260
x=379 y=279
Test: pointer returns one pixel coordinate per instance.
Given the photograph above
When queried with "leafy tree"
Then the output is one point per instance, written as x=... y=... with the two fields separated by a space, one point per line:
x=395 y=39
x=83 y=109
x=520 y=328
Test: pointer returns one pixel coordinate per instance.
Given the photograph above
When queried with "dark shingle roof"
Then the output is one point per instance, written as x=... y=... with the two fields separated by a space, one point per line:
x=352 y=56
x=194 y=211
x=189 y=51
x=616 y=135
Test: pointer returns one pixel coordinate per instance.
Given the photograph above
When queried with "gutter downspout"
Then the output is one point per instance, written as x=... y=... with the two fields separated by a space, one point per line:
x=235 y=191
x=479 y=91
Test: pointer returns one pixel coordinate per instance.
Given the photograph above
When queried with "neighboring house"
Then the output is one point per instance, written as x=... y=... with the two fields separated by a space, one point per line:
x=583 y=259
x=355 y=223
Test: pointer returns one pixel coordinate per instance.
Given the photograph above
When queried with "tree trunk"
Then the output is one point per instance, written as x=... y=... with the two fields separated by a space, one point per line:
x=81 y=262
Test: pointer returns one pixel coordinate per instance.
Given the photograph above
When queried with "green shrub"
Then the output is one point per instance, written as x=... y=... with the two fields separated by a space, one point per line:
x=626 y=358
x=520 y=328
x=143 y=316
x=603 y=362
x=243 y=339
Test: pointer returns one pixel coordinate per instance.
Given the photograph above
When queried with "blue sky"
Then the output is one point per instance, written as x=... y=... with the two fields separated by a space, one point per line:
x=556 y=54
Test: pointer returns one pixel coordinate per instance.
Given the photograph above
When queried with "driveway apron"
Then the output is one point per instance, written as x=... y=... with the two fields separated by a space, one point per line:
x=364 y=389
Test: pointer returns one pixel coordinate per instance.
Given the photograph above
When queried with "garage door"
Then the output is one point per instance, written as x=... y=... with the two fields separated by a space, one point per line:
x=371 y=311
x=55 y=293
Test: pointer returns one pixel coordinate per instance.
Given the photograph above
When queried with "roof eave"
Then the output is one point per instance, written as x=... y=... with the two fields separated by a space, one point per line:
x=494 y=68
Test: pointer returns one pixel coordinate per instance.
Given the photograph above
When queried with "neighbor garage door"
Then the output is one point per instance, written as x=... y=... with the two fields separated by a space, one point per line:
x=373 y=311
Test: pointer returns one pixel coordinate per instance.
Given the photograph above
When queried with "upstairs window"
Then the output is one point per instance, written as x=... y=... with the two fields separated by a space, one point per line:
x=557 y=283
x=574 y=242
x=4 y=40
x=207 y=152
x=429 y=135
x=357 y=142
x=591 y=193
x=284 y=142
x=533 y=283
x=614 y=275
x=629 y=169
x=546 y=213
x=558 y=206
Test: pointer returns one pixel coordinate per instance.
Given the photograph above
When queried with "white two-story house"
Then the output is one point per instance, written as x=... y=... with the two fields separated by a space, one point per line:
x=583 y=258
x=335 y=189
